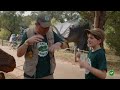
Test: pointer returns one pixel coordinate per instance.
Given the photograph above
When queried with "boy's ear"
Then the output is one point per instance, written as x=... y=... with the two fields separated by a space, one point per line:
x=100 y=41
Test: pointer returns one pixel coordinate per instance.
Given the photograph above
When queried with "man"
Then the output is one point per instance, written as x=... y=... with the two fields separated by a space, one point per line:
x=38 y=46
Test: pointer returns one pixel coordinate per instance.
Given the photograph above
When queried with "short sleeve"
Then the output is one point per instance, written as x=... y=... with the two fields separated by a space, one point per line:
x=102 y=63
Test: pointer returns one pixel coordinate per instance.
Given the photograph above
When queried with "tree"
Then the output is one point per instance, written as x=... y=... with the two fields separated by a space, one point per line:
x=60 y=16
x=10 y=20
x=99 y=19
x=26 y=21
x=112 y=29
x=87 y=15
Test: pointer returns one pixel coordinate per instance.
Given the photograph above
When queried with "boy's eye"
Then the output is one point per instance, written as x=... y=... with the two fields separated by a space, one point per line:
x=91 y=38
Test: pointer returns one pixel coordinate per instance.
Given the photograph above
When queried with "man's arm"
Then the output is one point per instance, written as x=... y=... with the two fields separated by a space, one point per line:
x=30 y=41
x=58 y=43
x=63 y=44
x=22 y=49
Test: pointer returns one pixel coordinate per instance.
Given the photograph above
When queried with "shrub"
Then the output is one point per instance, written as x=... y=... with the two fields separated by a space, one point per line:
x=113 y=38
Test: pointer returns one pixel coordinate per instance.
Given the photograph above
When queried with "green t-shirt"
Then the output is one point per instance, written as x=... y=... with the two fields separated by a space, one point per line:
x=43 y=66
x=97 y=60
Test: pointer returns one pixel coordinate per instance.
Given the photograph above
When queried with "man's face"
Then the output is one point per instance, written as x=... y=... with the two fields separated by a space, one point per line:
x=40 y=29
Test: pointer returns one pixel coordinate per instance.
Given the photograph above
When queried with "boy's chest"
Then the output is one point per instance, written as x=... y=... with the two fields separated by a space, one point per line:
x=92 y=59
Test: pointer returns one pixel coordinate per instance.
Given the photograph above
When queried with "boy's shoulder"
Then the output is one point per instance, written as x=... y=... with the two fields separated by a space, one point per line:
x=100 y=51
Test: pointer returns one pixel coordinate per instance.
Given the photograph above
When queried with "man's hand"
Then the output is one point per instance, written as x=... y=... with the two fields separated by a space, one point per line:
x=55 y=46
x=34 y=39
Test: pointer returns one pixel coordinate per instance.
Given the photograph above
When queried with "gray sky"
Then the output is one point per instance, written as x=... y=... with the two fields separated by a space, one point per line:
x=27 y=13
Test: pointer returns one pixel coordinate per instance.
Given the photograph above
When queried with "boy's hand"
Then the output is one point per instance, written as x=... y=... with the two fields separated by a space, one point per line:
x=84 y=64
x=78 y=55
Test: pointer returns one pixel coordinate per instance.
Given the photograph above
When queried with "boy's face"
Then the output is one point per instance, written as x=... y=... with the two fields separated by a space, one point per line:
x=92 y=41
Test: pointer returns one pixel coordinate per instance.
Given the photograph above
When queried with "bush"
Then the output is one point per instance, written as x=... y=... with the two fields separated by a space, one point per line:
x=4 y=34
x=113 y=38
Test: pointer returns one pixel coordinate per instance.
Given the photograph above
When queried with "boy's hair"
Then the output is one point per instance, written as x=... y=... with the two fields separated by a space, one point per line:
x=97 y=33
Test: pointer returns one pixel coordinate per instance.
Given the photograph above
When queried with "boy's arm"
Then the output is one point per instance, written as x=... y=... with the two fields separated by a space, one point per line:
x=98 y=73
x=102 y=68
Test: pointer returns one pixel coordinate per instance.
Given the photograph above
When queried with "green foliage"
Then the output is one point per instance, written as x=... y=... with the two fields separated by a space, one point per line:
x=26 y=21
x=113 y=31
x=54 y=21
x=87 y=15
x=10 y=20
x=60 y=16
x=4 y=34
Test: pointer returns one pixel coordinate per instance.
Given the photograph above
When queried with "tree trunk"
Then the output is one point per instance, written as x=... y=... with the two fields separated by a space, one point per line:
x=99 y=20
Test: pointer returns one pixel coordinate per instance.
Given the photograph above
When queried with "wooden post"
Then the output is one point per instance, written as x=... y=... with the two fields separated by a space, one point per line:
x=75 y=49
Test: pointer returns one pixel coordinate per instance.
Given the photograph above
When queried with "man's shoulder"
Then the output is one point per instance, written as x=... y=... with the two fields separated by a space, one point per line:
x=30 y=31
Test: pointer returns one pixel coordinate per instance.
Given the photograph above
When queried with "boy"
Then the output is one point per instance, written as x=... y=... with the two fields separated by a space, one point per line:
x=95 y=64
